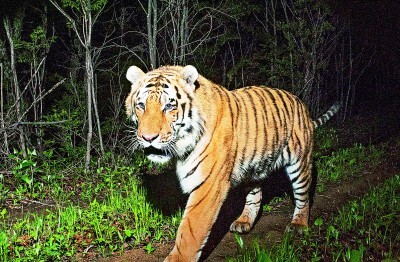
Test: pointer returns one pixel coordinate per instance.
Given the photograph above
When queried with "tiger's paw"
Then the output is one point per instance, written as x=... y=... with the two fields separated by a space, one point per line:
x=241 y=226
x=297 y=228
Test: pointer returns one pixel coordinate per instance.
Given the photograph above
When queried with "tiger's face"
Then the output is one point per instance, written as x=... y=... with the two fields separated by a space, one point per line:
x=160 y=105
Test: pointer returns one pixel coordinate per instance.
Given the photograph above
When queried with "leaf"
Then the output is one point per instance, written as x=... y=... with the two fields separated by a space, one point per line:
x=318 y=222
x=149 y=248
x=239 y=240
x=355 y=255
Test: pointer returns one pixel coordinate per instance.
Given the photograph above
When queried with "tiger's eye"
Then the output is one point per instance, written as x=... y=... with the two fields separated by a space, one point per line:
x=169 y=106
x=140 y=105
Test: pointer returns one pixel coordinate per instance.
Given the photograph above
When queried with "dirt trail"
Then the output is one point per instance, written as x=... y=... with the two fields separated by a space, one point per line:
x=270 y=226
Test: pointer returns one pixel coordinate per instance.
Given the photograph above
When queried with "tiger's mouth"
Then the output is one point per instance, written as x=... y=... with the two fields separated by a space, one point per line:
x=151 y=150
x=157 y=155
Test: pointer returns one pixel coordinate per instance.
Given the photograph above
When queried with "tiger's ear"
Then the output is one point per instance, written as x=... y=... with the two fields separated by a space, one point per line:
x=190 y=76
x=134 y=73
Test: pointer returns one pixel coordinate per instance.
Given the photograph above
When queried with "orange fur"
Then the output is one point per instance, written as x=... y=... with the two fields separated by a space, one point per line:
x=221 y=138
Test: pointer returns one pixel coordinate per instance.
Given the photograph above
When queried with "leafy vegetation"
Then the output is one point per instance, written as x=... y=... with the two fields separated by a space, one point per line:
x=345 y=163
x=364 y=230
x=340 y=164
x=105 y=213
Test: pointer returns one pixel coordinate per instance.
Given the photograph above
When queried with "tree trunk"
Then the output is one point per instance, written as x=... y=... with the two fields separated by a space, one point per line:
x=17 y=93
x=152 y=31
x=2 y=120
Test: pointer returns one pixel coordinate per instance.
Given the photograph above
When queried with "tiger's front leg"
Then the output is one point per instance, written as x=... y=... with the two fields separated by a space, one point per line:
x=200 y=214
x=246 y=220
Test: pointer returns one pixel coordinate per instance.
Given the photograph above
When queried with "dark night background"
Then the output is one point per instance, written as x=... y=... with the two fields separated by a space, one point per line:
x=376 y=29
x=374 y=24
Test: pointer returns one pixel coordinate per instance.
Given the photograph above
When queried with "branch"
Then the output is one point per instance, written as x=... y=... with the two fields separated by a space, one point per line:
x=41 y=97
x=72 y=21
x=39 y=123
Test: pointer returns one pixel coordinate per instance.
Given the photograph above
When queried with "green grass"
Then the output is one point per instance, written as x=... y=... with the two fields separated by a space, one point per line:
x=104 y=216
x=345 y=163
x=364 y=230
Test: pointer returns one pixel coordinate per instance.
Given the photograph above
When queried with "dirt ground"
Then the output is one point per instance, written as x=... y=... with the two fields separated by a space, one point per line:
x=374 y=128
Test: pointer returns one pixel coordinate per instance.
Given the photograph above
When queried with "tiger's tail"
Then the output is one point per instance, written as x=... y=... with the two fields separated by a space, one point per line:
x=325 y=117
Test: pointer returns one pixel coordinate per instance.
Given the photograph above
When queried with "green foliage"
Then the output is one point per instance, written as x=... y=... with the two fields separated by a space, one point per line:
x=33 y=175
x=25 y=168
x=87 y=5
x=66 y=135
x=36 y=47
x=363 y=228
x=282 y=252
x=345 y=163
x=119 y=215
x=325 y=139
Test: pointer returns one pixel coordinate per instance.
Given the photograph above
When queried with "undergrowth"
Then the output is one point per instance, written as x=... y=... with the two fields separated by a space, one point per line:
x=366 y=229
x=103 y=212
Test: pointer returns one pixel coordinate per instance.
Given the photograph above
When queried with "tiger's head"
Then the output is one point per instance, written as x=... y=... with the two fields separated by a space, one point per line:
x=162 y=106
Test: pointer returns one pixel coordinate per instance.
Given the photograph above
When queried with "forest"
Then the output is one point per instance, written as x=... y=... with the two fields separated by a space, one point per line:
x=72 y=189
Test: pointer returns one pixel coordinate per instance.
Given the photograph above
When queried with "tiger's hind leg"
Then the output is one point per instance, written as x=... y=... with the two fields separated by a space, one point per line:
x=300 y=176
x=245 y=221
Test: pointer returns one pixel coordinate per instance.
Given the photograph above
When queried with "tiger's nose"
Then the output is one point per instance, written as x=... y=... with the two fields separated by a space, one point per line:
x=149 y=138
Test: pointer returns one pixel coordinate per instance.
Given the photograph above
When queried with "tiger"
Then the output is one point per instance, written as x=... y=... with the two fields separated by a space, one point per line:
x=220 y=140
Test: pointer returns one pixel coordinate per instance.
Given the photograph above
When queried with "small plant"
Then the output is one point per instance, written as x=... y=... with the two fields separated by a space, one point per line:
x=270 y=206
x=149 y=248
x=25 y=168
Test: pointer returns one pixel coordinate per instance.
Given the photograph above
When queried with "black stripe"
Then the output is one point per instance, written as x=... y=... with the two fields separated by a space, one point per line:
x=251 y=100
x=234 y=126
x=190 y=227
x=194 y=168
x=178 y=95
x=243 y=124
x=285 y=115
x=304 y=179
x=199 y=185
x=183 y=106
x=265 y=123
x=294 y=179
x=248 y=203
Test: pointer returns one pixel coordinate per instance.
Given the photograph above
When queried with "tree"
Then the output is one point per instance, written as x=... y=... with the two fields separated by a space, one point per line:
x=86 y=13
x=176 y=29
x=13 y=32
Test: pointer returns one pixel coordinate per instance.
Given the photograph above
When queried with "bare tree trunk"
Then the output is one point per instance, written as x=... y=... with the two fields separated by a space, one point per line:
x=18 y=96
x=96 y=113
x=183 y=31
x=89 y=86
x=2 y=120
x=152 y=31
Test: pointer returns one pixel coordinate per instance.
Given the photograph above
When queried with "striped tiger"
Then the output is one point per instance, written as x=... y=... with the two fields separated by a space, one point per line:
x=220 y=139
